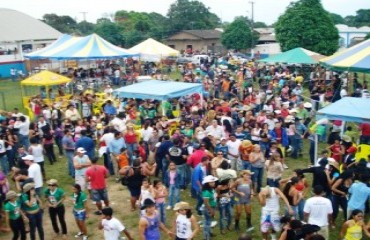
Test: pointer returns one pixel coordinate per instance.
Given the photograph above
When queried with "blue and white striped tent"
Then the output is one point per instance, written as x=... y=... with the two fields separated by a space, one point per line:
x=89 y=47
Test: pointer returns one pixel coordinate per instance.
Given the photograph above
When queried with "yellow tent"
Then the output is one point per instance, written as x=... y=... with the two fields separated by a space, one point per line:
x=45 y=78
x=152 y=50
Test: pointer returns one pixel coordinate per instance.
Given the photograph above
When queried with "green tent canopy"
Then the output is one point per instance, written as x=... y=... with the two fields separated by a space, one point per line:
x=295 y=56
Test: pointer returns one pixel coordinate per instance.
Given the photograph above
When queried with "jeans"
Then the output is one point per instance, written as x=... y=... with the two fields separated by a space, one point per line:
x=18 y=228
x=300 y=209
x=4 y=164
x=246 y=165
x=295 y=210
x=165 y=164
x=265 y=146
x=24 y=140
x=339 y=201
x=11 y=157
x=173 y=195
x=162 y=211
x=58 y=141
x=36 y=222
x=273 y=182
x=225 y=215
x=207 y=224
x=108 y=163
x=312 y=152
x=198 y=196
x=58 y=212
x=296 y=144
x=185 y=176
x=257 y=177
x=49 y=150
x=131 y=148
x=71 y=168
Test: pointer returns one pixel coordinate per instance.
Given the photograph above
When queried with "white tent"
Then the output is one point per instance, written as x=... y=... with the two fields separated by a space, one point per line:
x=153 y=51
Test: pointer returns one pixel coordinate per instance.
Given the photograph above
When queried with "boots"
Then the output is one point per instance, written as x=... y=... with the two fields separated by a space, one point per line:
x=249 y=223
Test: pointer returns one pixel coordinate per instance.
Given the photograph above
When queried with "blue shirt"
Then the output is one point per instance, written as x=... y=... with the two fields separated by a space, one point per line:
x=359 y=195
x=88 y=144
x=222 y=148
x=115 y=145
x=69 y=144
x=109 y=109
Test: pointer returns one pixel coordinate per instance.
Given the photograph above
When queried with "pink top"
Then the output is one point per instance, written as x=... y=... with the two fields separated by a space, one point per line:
x=172 y=177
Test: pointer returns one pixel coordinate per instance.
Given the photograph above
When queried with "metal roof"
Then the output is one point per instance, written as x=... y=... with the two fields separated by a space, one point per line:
x=16 y=26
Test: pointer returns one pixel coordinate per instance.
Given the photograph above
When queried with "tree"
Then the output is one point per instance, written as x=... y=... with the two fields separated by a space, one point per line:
x=337 y=19
x=186 y=14
x=306 y=24
x=238 y=35
x=109 y=31
x=259 y=25
x=85 y=28
x=367 y=36
x=64 y=24
x=361 y=19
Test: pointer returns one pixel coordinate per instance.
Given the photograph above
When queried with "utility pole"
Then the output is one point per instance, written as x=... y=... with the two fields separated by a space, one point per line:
x=84 y=15
x=252 y=28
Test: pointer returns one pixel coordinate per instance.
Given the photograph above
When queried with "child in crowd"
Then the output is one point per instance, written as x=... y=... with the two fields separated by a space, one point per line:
x=147 y=191
x=160 y=194
x=172 y=180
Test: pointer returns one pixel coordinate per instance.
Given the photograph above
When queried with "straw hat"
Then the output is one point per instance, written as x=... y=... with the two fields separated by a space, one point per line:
x=249 y=172
x=27 y=187
x=181 y=206
x=208 y=179
x=52 y=182
x=346 y=138
x=11 y=194
x=334 y=164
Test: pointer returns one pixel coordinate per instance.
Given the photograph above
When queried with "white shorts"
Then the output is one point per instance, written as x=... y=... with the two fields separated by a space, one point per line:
x=80 y=180
x=270 y=220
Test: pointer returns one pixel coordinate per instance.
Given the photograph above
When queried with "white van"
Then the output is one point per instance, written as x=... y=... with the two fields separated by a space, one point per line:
x=196 y=58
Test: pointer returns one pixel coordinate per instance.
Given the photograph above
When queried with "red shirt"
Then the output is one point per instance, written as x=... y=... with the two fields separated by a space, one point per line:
x=278 y=135
x=365 y=129
x=97 y=174
x=130 y=138
x=196 y=158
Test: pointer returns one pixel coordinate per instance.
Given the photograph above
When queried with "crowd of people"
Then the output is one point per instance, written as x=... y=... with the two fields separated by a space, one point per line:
x=229 y=149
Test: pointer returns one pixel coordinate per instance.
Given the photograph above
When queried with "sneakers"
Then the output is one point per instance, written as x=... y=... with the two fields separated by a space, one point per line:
x=213 y=224
x=285 y=166
x=168 y=207
x=250 y=229
x=85 y=237
x=79 y=234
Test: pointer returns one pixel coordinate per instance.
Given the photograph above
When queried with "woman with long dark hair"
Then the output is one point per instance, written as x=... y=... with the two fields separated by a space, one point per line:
x=340 y=191
x=293 y=195
x=185 y=225
x=80 y=210
x=31 y=205
x=353 y=228
x=209 y=203
x=224 y=203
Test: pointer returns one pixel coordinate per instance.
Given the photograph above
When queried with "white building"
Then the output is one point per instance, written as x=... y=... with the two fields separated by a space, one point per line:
x=21 y=33
x=349 y=36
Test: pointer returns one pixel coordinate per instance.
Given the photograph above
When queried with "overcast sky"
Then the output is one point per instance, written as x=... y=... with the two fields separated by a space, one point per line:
x=265 y=10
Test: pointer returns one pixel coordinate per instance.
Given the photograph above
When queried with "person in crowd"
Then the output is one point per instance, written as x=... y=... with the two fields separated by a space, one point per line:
x=274 y=170
x=80 y=163
x=86 y=143
x=172 y=181
x=185 y=225
x=55 y=198
x=80 y=211
x=112 y=227
x=209 y=204
x=354 y=227
x=69 y=149
x=257 y=160
x=160 y=195
x=224 y=195
x=14 y=216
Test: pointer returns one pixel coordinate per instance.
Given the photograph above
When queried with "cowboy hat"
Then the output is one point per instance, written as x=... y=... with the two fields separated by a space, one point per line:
x=208 y=179
x=181 y=206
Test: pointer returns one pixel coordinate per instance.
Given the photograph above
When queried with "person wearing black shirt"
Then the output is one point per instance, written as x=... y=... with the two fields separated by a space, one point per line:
x=178 y=155
x=319 y=176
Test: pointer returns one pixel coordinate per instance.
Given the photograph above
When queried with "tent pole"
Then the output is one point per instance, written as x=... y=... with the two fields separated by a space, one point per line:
x=163 y=110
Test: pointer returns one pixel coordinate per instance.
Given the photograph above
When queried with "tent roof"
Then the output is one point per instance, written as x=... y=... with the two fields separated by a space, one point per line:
x=159 y=90
x=348 y=109
x=17 y=26
x=296 y=55
x=89 y=47
x=45 y=78
x=153 y=47
x=356 y=58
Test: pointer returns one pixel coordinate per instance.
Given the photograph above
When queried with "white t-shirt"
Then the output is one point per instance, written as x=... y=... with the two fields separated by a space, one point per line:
x=318 y=209
x=234 y=147
x=37 y=153
x=112 y=228
x=107 y=138
x=183 y=227
x=34 y=171
x=2 y=146
x=146 y=133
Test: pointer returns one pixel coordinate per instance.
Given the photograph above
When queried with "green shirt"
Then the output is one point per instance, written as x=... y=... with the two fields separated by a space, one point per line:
x=211 y=197
x=35 y=205
x=54 y=197
x=79 y=203
x=13 y=209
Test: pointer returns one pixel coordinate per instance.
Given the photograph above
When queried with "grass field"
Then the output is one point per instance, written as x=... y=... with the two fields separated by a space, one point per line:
x=119 y=195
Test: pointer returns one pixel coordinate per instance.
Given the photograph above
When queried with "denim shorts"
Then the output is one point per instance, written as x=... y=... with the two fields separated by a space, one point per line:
x=98 y=195
x=79 y=214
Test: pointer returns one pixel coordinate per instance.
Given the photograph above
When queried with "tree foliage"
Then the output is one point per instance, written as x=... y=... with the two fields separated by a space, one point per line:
x=337 y=19
x=362 y=18
x=186 y=14
x=306 y=24
x=109 y=31
x=238 y=35
x=64 y=24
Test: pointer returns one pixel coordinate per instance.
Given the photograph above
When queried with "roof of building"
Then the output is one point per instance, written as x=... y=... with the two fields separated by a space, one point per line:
x=267 y=30
x=204 y=34
x=267 y=38
x=345 y=28
x=17 y=26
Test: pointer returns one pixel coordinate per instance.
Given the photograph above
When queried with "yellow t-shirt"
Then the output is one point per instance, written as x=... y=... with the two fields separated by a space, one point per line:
x=354 y=232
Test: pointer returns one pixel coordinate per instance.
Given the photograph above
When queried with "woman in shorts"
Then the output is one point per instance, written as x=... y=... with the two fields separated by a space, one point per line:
x=80 y=210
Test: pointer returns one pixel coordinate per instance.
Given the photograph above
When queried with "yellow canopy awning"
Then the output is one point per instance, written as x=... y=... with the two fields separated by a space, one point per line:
x=45 y=78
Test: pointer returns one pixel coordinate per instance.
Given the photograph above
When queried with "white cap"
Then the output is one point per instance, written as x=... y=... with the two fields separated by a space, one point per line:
x=307 y=105
x=208 y=179
x=81 y=150
x=28 y=158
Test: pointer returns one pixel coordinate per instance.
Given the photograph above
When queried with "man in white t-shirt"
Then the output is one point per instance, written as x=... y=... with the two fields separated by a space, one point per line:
x=34 y=172
x=233 y=155
x=215 y=130
x=112 y=226
x=318 y=211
